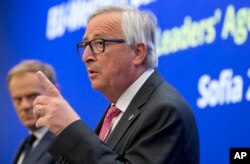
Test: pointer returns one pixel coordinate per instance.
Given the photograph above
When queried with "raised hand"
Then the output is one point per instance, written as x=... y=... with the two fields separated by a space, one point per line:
x=52 y=110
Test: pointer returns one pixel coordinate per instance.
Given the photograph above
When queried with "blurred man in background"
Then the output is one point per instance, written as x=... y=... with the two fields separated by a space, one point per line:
x=24 y=87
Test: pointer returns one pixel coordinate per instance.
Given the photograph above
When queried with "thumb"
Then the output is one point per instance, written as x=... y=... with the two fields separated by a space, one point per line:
x=50 y=88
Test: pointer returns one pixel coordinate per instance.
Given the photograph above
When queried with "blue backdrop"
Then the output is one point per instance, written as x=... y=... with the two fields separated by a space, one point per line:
x=203 y=49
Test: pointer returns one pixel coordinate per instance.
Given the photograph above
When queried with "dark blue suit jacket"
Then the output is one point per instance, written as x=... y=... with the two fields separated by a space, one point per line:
x=40 y=153
x=157 y=127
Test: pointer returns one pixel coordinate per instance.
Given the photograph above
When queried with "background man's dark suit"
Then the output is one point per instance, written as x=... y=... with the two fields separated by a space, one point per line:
x=158 y=125
x=40 y=153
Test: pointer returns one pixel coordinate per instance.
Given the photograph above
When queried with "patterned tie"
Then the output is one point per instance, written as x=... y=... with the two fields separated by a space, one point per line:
x=106 y=125
x=28 y=147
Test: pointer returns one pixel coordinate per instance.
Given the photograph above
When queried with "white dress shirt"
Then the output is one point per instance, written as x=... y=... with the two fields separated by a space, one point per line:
x=127 y=96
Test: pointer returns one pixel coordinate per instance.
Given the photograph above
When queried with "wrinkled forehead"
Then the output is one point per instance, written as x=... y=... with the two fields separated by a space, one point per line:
x=105 y=24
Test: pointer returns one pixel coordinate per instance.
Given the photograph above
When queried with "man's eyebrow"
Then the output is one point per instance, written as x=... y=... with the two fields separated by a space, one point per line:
x=97 y=36
x=85 y=40
x=27 y=95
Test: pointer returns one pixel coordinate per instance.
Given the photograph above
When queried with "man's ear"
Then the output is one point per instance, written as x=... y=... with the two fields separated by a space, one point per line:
x=140 y=53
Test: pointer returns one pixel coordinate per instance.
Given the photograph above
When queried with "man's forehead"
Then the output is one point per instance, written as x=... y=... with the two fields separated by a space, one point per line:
x=102 y=26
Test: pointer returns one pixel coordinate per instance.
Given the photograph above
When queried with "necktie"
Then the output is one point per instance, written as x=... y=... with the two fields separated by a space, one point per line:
x=28 y=146
x=112 y=112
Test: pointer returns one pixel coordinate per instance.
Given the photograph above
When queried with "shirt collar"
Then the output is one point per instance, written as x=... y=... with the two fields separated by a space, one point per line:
x=39 y=133
x=127 y=96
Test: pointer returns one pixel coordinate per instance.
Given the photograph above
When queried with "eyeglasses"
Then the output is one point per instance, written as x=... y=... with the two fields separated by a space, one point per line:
x=97 y=46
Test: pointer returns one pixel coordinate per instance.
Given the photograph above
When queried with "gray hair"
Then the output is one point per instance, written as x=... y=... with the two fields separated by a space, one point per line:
x=32 y=66
x=137 y=26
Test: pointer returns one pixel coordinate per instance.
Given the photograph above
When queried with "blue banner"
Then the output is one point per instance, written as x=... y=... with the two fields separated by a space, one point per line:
x=203 y=48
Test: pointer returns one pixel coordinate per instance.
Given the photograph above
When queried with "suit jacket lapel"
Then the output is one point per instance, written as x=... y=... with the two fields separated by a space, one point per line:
x=133 y=111
x=126 y=120
x=18 y=153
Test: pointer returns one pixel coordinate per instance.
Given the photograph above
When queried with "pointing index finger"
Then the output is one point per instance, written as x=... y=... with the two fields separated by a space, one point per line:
x=50 y=88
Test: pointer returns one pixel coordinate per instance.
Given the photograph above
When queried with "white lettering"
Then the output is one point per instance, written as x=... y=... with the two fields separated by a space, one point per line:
x=248 y=90
x=55 y=24
x=202 y=87
x=236 y=24
x=190 y=35
x=240 y=155
x=72 y=16
x=243 y=154
x=237 y=155
x=228 y=89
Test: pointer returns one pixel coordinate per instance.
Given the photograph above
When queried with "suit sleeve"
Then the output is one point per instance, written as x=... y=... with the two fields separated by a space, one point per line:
x=154 y=141
x=77 y=144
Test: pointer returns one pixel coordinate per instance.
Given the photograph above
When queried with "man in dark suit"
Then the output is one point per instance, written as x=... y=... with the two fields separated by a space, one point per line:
x=24 y=87
x=147 y=121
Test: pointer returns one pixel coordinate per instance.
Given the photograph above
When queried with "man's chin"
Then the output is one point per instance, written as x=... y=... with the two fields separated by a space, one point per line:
x=31 y=125
x=95 y=86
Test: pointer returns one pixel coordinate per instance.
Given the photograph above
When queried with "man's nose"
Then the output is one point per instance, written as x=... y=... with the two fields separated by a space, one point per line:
x=88 y=55
x=26 y=104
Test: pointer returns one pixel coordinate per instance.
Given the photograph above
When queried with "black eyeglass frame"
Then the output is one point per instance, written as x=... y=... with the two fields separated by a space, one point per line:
x=83 y=45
